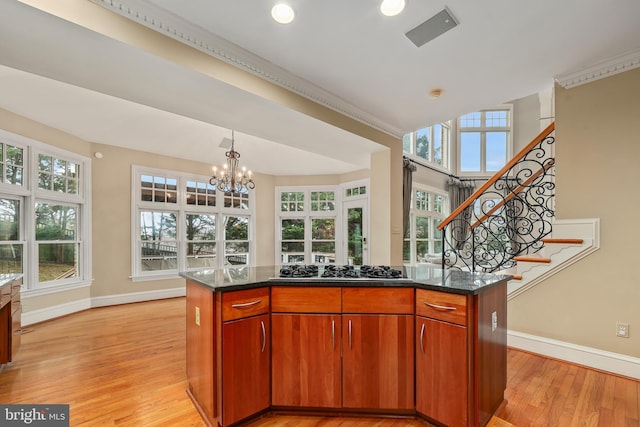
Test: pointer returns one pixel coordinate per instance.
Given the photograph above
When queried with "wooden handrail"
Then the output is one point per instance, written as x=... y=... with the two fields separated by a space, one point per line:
x=542 y=135
x=545 y=167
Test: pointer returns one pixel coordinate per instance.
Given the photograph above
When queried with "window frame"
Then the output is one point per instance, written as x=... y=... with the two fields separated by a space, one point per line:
x=483 y=130
x=181 y=208
x=29 y=194
x=308 y=215
x=411 y=139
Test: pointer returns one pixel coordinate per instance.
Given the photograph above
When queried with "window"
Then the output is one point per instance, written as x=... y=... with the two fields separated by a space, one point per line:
x=184 y=223
x=158 y=241
x=57 y=241
x=431 y=144
x=307 y=225
x=201 y=240
x=11 y=164
x=423 y=240
x=58 y=175
x=236 y=240
x=11 y=240
x=485 y=141
x=44 y=216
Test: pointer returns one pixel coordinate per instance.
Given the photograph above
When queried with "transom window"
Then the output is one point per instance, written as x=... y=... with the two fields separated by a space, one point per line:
x=177 y=220
x=11 y=164
x=485 y=140
x=430 y=144
x=57 y=174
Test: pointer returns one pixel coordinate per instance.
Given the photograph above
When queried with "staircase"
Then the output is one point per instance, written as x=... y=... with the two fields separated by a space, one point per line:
x=508 y=225
x=557 y=253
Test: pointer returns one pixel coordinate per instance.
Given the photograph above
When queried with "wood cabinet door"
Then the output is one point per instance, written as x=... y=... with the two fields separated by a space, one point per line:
x=246 y=373
x=442 y=371
x=306 y=363
x=378 y=361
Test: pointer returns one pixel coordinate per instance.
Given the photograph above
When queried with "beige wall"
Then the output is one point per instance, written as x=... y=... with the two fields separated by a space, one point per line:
x=597 y=155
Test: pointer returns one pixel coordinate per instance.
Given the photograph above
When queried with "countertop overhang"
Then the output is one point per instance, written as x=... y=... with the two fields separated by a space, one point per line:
x=422 y=277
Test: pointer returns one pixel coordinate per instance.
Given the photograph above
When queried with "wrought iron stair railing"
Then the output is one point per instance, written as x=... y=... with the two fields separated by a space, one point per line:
x=508 y=215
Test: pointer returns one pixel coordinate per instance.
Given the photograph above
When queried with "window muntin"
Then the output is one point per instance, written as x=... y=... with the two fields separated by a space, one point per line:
x=431 y=144
x=54 y=224
x=200 y=240
x=485 y=140
x=11 y=243
x=158 y=243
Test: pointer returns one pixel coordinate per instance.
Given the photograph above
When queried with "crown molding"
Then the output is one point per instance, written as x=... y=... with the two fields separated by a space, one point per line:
x=162 y=21
x=617 y=64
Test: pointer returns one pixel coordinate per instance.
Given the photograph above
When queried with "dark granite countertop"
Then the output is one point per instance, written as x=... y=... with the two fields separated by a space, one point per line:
x=422 y=277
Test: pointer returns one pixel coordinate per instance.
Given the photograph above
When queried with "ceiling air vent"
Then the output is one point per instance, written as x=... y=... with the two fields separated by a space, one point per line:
x=438 y=24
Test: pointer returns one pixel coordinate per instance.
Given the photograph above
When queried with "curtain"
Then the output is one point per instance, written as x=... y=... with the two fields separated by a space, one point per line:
x=408 y=169
x=459 y=191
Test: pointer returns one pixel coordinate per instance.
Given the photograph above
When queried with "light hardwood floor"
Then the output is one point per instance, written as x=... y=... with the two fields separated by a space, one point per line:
x=125 y=366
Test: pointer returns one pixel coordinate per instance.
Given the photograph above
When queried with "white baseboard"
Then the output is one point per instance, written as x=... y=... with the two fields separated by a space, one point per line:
x=36 y=316
x=586 y=356
x=137 y=297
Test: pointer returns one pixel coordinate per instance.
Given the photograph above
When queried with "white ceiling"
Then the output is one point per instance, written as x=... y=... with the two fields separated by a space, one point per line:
x=341 y=53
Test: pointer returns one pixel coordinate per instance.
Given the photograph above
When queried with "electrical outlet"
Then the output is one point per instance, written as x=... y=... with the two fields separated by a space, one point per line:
x=198 y=316
x=622 y=330
x=494 y=321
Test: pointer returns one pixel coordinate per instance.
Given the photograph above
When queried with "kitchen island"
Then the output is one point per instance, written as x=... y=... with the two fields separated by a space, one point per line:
x=427 y=343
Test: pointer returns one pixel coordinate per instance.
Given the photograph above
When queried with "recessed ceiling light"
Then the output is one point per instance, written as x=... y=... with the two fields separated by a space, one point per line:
x=392 y=7
x=282 y=13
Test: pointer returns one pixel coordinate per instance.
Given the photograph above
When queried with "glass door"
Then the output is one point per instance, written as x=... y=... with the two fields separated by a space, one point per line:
x=357 y=228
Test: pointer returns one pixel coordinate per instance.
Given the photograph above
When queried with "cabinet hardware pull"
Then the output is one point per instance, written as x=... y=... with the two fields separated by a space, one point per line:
x=333 y=334
x=422 y=335
x=246 y=304
x=264 y=336
x=349 y=334
x=439 y=307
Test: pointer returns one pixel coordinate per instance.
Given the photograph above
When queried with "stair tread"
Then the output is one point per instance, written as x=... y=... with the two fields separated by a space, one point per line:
x=565 y=241
x=532 y=259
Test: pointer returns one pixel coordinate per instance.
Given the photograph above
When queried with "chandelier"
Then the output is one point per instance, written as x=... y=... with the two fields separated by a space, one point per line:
x=231 y=179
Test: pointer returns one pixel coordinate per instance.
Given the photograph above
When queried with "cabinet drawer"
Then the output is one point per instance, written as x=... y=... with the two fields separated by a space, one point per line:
x=442 y=306
x=313 y=299
x=378 y=300
x=239 y=304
